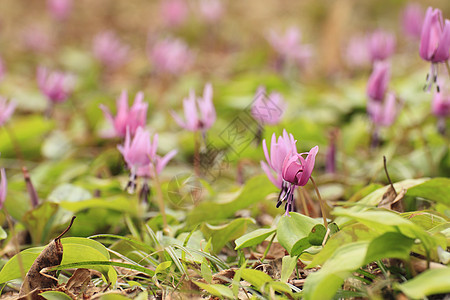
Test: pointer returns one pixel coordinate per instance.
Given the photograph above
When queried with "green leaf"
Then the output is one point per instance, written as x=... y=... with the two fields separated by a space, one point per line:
x=218 y=290
x=163 y=266
x=120 y=204
x=55 y=295
x=436 y=189
x=430 y=282
x=255 y=190
x=114 y=297
x=69 y=193
x=389 y=245
x=222 y=234
x=256 y=278
x=254 y=238
x=206 y=271
x=37 y=221
x=287 y=267
x=293 y=231
x=317 y=234
x=11 y=269
x=3 y=234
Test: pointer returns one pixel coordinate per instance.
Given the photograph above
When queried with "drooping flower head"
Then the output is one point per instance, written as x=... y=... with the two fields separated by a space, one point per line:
x=268 y=109
x=378 y=81
x=289 y=46
x=56 y=86
x=137 y=151
x=60 y=9
x=211 y=10
x=412 y=20
x=6 y=110
x=174 y=12
x=109 y=51
x=170 y=55
x=284 y=147
x=381 y=45
x=127 y=118
x=199 y=112
x=383 y=113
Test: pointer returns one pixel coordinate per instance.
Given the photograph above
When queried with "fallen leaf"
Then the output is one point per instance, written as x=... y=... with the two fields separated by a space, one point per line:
x=391 y=200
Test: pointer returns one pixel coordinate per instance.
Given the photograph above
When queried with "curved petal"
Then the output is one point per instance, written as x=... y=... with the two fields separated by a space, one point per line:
x=276 y=181
x=162 y=162
x=443 y=50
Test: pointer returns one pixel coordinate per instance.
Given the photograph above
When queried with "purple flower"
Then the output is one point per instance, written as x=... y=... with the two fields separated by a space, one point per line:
x=441 y=105
x=289 y=45
x=127 y=118
x=357 y=53
x=6 y=110
x=279 y=150
x=381 y=45
x=199 y=112
x=3 y=187
x=59 y=9
x=412 y=20
x=170 y=56
x=211 y=10
x=435 y=37
x=2 y=69
x=56 y=86
x=378 y=81
x=268 y=109
x=383 y=113
x=140 y=154
x=109 y=50
x=174 y=12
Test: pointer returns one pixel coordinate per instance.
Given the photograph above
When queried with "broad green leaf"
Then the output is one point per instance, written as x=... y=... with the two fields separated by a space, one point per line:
x=37 y=221
x=287 y=267
x=317 y=234
x=55 y=295
x=425 y=219
x=293 y=231
x=69 y=193
x=389 y=245
x=222 y=234
x=163 y=266
x=114 y=297
x=430 y=282
x=120 y=204
x=206 y=271
x=256 y=278
x=436 y=189
x=255 y=190
x=11 y=269
x=218 y=290
x=254 y=238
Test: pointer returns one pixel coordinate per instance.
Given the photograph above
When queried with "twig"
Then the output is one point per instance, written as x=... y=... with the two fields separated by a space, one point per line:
x=387 y=175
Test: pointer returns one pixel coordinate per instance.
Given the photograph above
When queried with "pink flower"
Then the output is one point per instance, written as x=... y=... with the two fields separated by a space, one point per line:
x=127 y=118
x=289 y=45
x=412 y=20
x=441 y=105
x=140 y=154
x=171 y=56
x=199 y=112
x=378 y=81
x=297 y=170
x=268 y=109
x=357 y=53
x=3 y=187
x=59 y=9
x=56 y=86
x=383 y=113
x=381 y=45
x=6 y=110
x=109 y=50
x=211 y=10
x=435 y=37
x=174 y=12
x=279 y=150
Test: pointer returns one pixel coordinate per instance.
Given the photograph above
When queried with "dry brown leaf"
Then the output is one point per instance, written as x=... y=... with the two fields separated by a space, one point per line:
x=391 y=200
x=79 y=280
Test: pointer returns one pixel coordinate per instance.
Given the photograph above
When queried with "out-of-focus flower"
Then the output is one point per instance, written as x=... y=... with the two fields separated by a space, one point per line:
x=357 y=53
x=2 y=69
x=174 y=12
x=170 y=55
x=383 y=113
x=279 y=150
x=59 y=9
x=268 y=109
x=381 y=45
x=441 y=105
x=435 y=37
x=56 y=86
x=127 y=118
x=378 y=81
x=109 y=50
x=199 y=112
x=3 y=187
x=37 y=39
x=412 y=20
x=289 y=46
x=6 y=110
x=211 y=10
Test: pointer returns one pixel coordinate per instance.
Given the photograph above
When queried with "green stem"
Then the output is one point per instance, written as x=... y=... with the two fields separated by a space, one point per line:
x=302 y=198
x=321 y=203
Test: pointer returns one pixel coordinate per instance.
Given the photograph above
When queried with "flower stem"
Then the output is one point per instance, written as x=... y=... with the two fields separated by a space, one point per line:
x=160 y=198
x=302 y=198
x=321 y=203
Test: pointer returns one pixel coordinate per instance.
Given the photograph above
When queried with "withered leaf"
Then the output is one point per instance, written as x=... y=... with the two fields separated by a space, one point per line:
x=391 y=200
x=79 y=279
x=51 y=256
